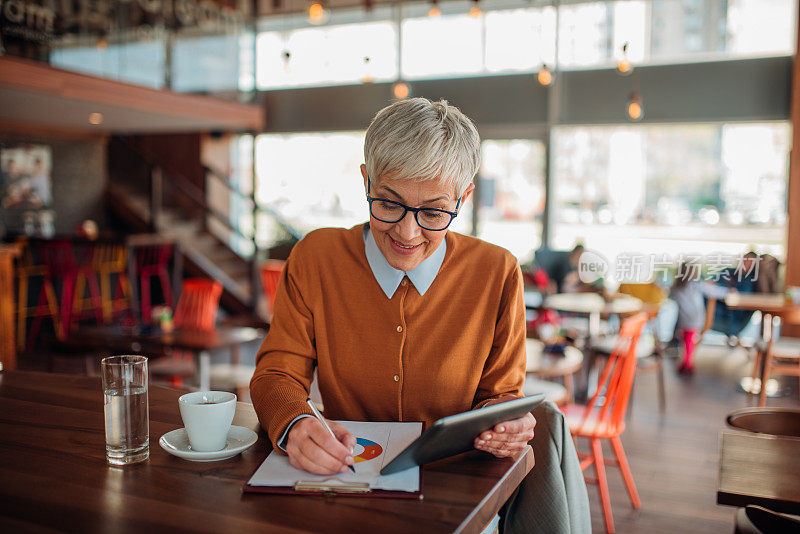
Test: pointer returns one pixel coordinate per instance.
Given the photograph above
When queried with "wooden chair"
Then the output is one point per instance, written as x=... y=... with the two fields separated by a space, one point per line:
x=110 y=260
x=270 y=275
x=779 y=356
x=608 y=422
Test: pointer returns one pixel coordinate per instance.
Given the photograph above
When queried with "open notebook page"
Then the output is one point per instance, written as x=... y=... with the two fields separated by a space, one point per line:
x=377 y=444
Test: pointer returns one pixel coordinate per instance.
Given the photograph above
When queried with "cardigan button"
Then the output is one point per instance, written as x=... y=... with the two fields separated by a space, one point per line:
x=396 y=378
x=399 y=328
x=403 y=283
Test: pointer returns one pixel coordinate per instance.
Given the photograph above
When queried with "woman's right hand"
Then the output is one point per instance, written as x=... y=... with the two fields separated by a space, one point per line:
x=311 y=448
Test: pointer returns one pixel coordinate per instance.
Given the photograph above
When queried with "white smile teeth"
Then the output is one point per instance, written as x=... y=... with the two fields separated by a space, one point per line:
x=403 y=246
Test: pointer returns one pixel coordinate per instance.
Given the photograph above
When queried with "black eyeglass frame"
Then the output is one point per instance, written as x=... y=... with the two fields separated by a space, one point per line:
x=415 y=211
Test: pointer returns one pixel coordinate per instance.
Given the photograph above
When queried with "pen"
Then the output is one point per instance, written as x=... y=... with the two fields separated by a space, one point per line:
x=324 y=423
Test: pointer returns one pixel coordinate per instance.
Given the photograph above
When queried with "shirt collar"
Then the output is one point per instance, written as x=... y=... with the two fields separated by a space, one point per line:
x=389 y=278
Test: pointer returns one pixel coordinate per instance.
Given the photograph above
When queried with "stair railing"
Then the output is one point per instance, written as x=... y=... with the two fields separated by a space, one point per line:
x=162 y=176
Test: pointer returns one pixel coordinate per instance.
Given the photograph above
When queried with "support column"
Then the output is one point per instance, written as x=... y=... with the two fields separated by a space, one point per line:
x=793 y=195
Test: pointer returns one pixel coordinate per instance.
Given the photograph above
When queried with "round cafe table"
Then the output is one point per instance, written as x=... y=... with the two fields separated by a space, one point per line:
x=548 y=365
x=593 y=305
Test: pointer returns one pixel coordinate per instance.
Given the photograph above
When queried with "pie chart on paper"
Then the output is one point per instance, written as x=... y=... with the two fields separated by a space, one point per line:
x=366 y=450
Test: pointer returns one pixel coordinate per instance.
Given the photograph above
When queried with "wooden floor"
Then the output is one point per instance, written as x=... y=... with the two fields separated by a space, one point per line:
x=673 y=457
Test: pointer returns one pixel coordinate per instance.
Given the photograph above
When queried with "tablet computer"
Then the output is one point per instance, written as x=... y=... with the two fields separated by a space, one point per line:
x=456 y=434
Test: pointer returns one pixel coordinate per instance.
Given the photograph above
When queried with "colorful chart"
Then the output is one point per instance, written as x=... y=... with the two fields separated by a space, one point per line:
x=366 y=450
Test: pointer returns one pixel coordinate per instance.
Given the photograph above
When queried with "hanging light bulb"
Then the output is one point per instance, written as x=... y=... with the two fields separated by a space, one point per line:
x=317 y=13
x=401 y=90
x=287 y=60
x=624 y=66
x=435 y=11
x=635 y=107
x=545 y=77
x=476 y=11
x=367 y=74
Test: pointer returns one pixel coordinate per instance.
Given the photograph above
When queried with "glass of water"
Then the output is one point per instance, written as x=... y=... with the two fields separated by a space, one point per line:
x=126 y=409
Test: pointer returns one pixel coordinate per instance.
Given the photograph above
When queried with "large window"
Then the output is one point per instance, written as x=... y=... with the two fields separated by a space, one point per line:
x=513 y=36
x=355 y=49
x=511 y=194
x=212 y=63
x=671 y=189
x=138 y=62
x=311 y=180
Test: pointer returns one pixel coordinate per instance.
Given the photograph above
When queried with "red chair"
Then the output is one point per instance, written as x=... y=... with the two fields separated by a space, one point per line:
x=58 y=259
x=153 y=260
x=270 y=275
x=608 y=422
x=87 y=278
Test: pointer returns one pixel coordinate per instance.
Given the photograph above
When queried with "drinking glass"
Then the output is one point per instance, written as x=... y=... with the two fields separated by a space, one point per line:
x=126 y=409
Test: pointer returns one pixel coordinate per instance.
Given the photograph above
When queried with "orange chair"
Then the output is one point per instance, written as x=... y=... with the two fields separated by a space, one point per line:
x=608 y=422
x=198 y=304
x=270 y=274
x=197 y=310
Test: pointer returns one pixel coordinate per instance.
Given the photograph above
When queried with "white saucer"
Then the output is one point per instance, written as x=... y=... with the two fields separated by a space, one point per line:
x=177 y=444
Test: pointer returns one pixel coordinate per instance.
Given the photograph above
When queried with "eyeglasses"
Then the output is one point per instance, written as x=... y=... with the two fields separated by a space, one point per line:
x=389 y=211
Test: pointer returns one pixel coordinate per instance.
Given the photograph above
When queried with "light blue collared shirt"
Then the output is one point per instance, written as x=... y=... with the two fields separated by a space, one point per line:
x=389 y=278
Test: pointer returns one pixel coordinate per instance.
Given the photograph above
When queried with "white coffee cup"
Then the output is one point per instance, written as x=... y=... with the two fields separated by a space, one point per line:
x=207 y=416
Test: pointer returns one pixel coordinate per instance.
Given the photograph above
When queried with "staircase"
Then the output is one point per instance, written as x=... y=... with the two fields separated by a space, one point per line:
x=162 y=201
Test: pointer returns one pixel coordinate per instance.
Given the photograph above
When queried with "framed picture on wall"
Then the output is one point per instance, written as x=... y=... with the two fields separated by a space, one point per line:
x=25 y=183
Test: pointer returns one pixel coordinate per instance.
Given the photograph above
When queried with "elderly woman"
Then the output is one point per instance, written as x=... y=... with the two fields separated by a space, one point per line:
x=402 y=319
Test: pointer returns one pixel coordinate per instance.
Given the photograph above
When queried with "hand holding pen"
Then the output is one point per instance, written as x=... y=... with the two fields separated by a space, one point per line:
x=312 y=448
x=324 y=423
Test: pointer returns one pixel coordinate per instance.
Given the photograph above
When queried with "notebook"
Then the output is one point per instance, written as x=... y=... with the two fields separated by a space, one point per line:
x=376 y=445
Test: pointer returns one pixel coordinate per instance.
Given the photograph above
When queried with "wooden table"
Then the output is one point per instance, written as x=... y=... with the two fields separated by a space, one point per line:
x=54 y=476
x=115 y=339
x=759 y=469
x=768 y=304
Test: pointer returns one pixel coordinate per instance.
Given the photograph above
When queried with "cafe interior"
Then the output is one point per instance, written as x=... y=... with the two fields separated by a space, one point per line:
x=160 y=160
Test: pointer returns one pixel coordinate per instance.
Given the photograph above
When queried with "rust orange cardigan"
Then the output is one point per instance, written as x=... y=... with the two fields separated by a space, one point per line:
x=408 y=358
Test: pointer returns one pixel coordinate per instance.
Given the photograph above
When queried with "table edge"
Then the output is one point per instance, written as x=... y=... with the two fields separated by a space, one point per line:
x=526 y=456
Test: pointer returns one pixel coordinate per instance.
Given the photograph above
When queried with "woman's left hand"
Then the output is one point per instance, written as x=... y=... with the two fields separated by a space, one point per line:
x=507 y=438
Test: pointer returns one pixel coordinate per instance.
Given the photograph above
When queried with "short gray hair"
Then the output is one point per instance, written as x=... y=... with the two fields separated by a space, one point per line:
x=422 y=140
